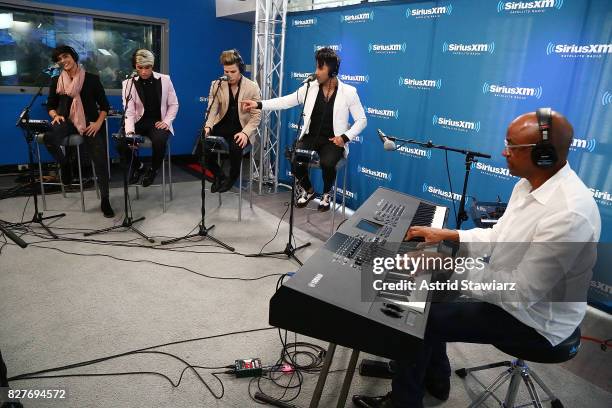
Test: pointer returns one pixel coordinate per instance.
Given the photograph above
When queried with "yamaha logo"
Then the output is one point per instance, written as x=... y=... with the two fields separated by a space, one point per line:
x=386 y=48
x=453 y=124
x=523 y=7
x=513 y=92
x=432 y=12
x=438 y=192
x=414 y=83
x=382 y=113
x=469 y=49
x=578 y=51
x=315 y=281
x=357 y=18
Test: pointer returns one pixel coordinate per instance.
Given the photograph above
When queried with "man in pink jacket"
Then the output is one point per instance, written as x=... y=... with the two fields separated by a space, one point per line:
x=149 y=111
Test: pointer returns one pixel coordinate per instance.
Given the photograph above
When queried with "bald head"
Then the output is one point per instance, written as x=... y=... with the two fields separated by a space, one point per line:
x=525 y=129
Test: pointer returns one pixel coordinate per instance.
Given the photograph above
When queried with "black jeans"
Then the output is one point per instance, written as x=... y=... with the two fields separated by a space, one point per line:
x=466 y=322
x=329 y=156
x=159 y=140
x=96 y=148
x=234 y=156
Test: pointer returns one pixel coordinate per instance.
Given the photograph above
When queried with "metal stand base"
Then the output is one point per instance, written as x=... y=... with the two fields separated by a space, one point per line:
x=289 y=252
x=203 y=232
x=128 y=224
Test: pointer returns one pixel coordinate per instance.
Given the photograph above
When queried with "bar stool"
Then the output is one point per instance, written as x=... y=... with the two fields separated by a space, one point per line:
x=314 y=162
x=148 y=144
x=72 y=140
x=518 y=371
x=218 y=144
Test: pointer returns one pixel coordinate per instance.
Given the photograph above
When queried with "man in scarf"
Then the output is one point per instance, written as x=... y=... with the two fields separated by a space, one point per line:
x=77 y=104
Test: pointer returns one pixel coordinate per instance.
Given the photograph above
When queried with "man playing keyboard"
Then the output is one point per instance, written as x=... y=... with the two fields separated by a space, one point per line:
x=549 y=204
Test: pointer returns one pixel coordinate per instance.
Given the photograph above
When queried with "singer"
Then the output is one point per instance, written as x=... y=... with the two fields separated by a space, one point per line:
x=151 y=108
x=225 y=119
x=326 y=122
x=77 y=104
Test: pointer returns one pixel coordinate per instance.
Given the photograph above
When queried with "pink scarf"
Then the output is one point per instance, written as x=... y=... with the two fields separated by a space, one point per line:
x=72 y=88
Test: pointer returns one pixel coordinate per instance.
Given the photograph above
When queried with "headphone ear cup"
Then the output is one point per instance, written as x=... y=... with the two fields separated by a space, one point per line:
x=544 y=155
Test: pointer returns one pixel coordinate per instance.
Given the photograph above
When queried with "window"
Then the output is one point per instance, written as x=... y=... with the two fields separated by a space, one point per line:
x=104 y=42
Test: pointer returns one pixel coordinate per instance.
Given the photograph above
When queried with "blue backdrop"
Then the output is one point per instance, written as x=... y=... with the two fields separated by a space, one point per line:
x=457 y=73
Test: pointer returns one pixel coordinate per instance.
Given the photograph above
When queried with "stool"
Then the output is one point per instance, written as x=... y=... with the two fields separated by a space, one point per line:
x=218 y=144
x=519 y=371
x=148 y=144
x=72 y=140
x=315 y=163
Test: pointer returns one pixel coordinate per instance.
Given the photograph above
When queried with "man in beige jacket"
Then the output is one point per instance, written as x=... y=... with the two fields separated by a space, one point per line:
x=226 y=118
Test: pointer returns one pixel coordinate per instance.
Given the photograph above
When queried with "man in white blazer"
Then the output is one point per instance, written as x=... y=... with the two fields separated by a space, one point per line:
x=326 y=122
x=151 y=108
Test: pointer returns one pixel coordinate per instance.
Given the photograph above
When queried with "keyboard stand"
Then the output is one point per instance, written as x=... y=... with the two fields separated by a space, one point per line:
x=348 y=377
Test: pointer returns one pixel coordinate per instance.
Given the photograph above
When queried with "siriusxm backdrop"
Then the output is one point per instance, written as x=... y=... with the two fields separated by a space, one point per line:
x=457 y=73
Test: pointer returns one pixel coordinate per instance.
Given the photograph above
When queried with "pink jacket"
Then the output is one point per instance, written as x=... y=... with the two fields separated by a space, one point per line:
x=135 y=108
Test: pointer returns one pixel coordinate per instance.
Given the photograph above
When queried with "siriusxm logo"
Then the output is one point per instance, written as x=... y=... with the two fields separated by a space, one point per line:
x=299 y=76
x=348 y=194
x=606 y=98
x=381 y=175
x=432 y=12
x=520 y=7
x=307 y=22
x=602 y=287
x=335 y=47
x=578 y=51
x=602 y=197
x=588 y=145
x=438 y=192
x=294 y=126
x=501 y=172
x=420 y=83
x=415 y=152
x=357 y=18
x=359 y=79
x=468 y=49
x=514 y=92
x=386 y=48
x=453 y=124
x=382 y=113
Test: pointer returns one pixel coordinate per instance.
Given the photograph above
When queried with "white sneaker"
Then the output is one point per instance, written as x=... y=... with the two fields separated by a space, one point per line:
x=304 y=198
x=324 y=204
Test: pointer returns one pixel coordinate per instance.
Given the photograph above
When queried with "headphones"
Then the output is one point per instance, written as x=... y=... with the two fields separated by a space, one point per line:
x=543 y=154
x=239 y=61
x=334 y=68
x=69 y=50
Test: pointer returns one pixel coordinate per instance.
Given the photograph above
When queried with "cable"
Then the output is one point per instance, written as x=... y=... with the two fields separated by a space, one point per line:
x=277 y=228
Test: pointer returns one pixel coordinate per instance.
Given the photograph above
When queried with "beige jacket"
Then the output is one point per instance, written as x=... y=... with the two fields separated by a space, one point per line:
x=248 y=120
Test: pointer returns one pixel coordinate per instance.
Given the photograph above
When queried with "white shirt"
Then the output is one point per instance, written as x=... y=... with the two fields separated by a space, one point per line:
x=554 y=222
x=347 y=101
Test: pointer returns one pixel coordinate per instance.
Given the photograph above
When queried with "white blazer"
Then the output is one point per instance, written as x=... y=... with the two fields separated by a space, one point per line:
x=347 y=101
x=135 y=107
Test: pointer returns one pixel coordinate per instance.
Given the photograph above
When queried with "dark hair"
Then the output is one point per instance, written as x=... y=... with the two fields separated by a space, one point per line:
x=64 y=49
x=327 y=56
x=231 y=57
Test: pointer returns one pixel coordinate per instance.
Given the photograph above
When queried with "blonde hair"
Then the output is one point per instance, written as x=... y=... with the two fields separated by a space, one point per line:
x=144 y=57
x=230 y=57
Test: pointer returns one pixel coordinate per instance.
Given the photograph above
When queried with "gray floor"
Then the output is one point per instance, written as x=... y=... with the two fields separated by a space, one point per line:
x=59 y=308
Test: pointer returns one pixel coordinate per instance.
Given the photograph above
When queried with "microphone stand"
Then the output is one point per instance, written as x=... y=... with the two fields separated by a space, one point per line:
x=469 y=160
x=203 y=230
x=24 y=122
x=290 y=250
x=128 y=221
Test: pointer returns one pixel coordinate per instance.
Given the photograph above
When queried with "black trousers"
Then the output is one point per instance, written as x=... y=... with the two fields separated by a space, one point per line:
x=466 y=322
x=159 y=140
x=96 y=148
x=329 y=156
x=234 y=157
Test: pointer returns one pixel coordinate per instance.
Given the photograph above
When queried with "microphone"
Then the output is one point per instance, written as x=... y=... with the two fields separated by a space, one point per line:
x=388 y=144
x=223 y=78
x=134 y=74
x=310 y=78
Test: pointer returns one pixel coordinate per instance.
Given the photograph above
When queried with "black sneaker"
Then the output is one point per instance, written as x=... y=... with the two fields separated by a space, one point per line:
x=218 y=183
x=226 y=185
x=106 y=208
x=324 y=204
x=438 y=388
x=137 y=174
x=304 y=198
x=363 y=401
x=149 y=177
